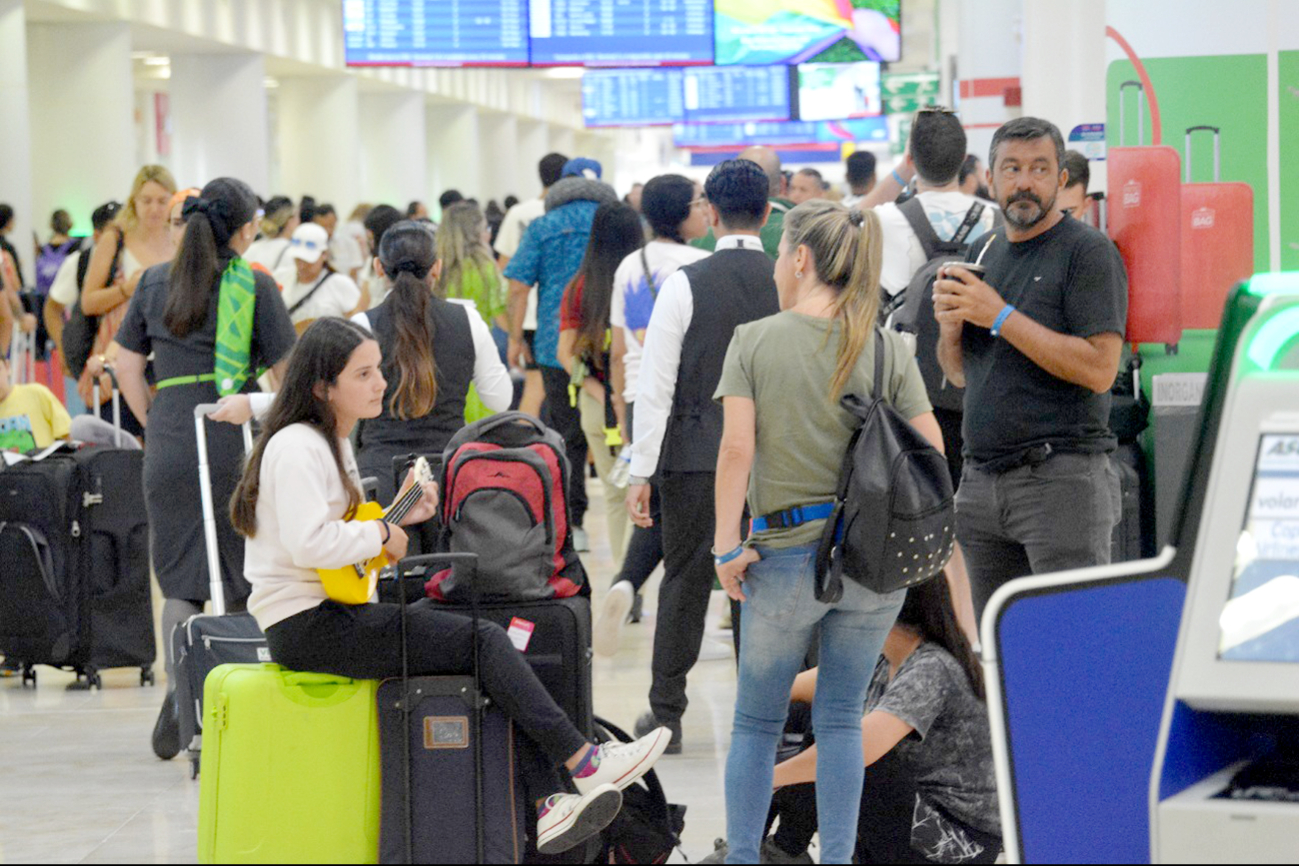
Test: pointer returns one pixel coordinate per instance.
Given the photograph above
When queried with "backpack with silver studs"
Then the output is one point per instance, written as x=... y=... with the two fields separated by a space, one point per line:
x=894 y=519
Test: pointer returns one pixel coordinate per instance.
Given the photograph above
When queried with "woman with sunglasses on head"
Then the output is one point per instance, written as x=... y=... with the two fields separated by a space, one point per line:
x=182 y=313
x=302 y=481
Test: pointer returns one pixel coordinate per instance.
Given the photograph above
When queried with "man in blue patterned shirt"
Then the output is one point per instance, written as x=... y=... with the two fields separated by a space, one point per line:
x=549 y=256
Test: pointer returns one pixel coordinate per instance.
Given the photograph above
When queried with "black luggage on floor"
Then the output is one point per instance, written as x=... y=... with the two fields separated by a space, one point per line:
x=450 y=792
x=1129 y=462
x=204 y=641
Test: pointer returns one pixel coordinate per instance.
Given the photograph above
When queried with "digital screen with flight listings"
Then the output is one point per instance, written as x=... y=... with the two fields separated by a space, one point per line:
x=1260 y=622
x=728 y=94
x=621 y=32
x=631 y=97
x=435 y=32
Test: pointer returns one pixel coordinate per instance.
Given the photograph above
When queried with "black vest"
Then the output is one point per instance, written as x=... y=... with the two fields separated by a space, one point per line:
x=453 y=353
x=729 y=288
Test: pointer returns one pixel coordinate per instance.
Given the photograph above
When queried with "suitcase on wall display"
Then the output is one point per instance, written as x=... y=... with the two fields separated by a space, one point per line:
x=1217 y=239
x=290 y=768
x=1144 y=219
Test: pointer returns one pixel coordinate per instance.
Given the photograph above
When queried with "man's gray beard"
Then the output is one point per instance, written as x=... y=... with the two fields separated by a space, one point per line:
x=1009 y=214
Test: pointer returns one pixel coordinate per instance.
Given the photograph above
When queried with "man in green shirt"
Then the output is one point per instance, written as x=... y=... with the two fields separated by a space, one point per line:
x=769 y=161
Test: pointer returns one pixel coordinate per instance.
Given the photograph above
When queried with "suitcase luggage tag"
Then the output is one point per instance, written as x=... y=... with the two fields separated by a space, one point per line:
x=520 y=633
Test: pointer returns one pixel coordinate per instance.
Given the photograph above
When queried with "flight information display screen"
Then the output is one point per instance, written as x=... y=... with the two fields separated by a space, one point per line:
x=1260 y=622
x=737 y=93
x=632 y=97
x=873 y=129
x=621 y=32
x=839 y=91
x=435 y=32
x=758 y=32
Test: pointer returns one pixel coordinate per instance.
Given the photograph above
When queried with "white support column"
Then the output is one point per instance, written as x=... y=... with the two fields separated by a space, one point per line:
x=563 y=140
x=82 y=118
x=500 y=136
x=319 y=140
x=219 y=119
x=455 y=153
x=991 y=42
x=394 y=148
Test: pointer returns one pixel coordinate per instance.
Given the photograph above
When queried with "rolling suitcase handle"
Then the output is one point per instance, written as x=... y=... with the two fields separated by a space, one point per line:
x=117 y=402
x=215 y=584
x=469 y=561
x=1141 y=124
x=1217 y=150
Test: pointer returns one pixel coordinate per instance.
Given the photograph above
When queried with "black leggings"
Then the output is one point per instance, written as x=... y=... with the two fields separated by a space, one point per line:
x=364 y=642
x=645 y=549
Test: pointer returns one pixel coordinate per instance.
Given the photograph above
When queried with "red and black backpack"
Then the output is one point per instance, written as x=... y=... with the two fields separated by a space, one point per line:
x=503 y=497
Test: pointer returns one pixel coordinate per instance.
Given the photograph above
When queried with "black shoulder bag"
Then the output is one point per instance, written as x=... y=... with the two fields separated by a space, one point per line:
x=894 y=519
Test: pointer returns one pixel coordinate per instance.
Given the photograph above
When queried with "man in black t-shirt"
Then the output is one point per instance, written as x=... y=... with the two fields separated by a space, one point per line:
x=1037 y=348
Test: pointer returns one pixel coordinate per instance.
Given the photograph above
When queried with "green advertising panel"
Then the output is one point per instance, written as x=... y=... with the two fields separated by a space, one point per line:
x=1289 y=116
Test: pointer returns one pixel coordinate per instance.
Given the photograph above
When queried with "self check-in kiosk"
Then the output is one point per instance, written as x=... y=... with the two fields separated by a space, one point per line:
x=1149 y=710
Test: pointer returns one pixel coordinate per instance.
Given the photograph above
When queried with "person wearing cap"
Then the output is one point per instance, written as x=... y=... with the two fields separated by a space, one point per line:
x=549 y=256
x=313 y=289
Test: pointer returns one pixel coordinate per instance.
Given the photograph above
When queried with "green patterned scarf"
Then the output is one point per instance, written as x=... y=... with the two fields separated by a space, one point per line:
x=234 y=334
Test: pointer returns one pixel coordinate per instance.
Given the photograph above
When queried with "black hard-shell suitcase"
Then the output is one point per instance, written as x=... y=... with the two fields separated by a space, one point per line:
x=450 y=791
x=204 y=641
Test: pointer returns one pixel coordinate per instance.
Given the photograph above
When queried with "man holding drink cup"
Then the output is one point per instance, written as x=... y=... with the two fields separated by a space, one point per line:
x=1033 y=329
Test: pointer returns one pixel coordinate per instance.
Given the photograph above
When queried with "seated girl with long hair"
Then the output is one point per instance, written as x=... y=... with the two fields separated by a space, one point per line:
x=291 y=505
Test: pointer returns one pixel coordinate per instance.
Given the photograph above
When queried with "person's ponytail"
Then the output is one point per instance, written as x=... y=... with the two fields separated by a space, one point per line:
x=211 y=220
x=417 y=384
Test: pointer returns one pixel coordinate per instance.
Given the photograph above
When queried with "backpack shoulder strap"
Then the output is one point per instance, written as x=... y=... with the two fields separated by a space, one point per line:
x=972 y=217
x=83 y=265
x=649 y=275
x=878 y=390
x=303 y=300
x=914 y=210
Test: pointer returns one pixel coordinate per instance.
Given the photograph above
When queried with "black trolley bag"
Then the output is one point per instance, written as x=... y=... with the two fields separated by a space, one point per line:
x=450 y=791
x=206 y=640
x=74 y=543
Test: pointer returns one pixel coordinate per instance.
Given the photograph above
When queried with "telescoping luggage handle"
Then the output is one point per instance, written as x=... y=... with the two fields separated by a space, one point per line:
x=117 y=403
x=1217 y=150
x=1141 y=118
x=215 y=584
x=468 y=561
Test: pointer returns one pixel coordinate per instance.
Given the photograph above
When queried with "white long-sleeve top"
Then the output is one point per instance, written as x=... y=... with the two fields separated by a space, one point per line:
x=300 y=526
x=661 y=361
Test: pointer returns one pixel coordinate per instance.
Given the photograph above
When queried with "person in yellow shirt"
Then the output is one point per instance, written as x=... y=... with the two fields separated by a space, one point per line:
x=30 y=415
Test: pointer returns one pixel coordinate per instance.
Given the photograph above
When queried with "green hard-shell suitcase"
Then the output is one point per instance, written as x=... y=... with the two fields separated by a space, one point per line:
x=290 y=768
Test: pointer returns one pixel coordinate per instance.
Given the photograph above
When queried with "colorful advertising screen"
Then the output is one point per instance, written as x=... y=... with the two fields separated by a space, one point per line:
x=838 y=91
x=758 y=32
x=874 y=129
x=435 y=33
x=621 y=32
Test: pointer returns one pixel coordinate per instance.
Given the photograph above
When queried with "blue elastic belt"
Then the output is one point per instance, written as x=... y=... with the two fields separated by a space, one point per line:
x=792 y=517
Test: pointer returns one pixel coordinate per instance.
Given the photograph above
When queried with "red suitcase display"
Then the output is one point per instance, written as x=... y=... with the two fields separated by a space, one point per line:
x=1145 y=215
x=1217 y=239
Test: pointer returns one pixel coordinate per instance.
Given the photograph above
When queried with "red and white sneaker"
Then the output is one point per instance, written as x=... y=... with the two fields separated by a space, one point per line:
x=621 y=764
x=568 y=820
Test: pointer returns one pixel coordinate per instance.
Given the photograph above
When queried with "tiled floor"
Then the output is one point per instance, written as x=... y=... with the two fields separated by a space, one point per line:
x=79 y=783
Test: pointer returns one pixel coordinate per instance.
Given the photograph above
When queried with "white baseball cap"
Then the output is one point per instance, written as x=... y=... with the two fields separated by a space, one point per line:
x=309 y=242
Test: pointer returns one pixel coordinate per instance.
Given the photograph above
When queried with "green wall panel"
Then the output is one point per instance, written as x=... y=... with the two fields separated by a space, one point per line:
x=1289 y=116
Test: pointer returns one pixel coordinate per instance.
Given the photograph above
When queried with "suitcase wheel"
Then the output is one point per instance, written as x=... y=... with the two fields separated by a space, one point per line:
x=193 y=764
x=147 y=677
x=29 y=676
x=86 y=680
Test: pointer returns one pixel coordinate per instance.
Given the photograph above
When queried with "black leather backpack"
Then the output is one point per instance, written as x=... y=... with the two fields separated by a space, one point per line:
x=894 y=518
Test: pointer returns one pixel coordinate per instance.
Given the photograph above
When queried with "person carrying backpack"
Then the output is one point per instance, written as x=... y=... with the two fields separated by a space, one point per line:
x=780 y=391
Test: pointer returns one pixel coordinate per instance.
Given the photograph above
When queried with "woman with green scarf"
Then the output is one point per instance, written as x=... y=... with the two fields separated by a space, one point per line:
x=211 y=323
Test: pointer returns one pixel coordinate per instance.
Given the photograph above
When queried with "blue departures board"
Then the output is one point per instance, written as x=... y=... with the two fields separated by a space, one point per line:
x=632 y=97
x=737 y=93
x=435 y=32
x=621 y=32
x=780 y=134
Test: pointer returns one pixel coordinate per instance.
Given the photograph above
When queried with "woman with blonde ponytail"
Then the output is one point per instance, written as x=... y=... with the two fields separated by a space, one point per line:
x=780 y=391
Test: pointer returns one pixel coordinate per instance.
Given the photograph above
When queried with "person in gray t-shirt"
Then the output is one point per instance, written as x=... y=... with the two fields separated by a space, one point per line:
x=930 y=793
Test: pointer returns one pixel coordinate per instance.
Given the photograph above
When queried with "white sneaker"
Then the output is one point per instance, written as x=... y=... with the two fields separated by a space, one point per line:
x=607 y=632
x=568 y=820
x=621 y=764
x=581 y=543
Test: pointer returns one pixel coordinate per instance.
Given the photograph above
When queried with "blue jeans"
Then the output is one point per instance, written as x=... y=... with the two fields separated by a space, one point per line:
x=780 y=619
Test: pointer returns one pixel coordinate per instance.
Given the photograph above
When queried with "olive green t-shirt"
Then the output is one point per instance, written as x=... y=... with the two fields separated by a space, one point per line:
x=784 y=364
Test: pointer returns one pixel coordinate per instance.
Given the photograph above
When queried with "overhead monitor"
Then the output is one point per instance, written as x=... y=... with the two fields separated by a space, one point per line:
x=756 y=32
x=838 y=91
x=632 y=97
x=703 y=135
x=621 y=32
x=435 y=33
x=737 y=93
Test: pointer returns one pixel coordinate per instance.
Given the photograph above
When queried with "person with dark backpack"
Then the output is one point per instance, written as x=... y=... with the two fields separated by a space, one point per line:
x=785 y=428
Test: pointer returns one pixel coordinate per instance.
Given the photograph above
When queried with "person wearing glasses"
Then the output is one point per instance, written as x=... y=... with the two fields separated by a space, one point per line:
x=313 y=289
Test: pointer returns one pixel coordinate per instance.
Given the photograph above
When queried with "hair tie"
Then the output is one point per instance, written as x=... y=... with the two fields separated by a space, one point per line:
x=408 y=266
x=856 y=217
x=195 y=204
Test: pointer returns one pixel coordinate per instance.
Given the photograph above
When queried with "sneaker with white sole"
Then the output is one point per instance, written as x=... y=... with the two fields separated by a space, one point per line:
x=581 y=542
x=607 y=631
x=621 y=764
x=568 y=820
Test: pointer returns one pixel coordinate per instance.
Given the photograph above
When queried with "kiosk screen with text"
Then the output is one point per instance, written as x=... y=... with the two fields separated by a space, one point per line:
x=435 y=32
x=1260 y=622
x=621 y=32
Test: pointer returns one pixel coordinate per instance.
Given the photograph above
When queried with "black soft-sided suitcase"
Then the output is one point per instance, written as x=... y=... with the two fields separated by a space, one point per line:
x=1127 y=540
x=204 y=641
x=450 y=790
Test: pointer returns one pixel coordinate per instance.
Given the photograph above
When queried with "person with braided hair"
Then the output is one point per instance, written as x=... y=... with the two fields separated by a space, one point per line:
x=211 y=323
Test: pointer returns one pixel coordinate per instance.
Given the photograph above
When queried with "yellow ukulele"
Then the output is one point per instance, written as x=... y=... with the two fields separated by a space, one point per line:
x=355 y=584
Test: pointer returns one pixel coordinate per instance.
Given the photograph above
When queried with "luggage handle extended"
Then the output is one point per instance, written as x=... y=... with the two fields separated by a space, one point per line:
x=470 y=562
x=1141 y=125
x=1217 y=150
x=216 y=586
x=117 y=402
